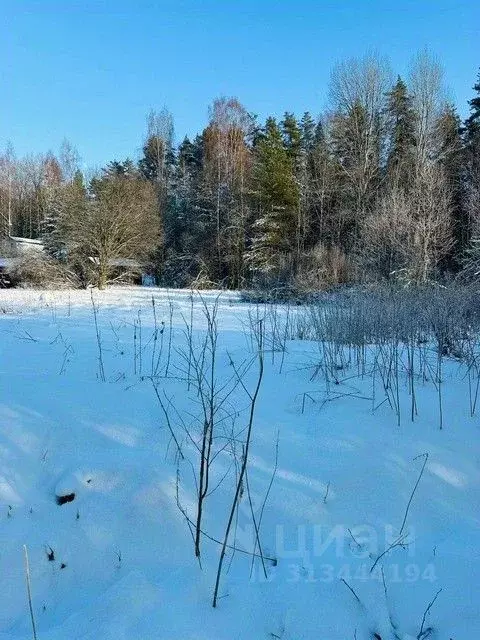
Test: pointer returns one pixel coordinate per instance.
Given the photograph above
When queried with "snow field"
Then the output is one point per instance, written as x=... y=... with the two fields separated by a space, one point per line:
x=124 y=566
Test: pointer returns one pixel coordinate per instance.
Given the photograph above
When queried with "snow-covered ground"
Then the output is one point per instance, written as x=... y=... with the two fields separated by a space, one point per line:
x=117 y=562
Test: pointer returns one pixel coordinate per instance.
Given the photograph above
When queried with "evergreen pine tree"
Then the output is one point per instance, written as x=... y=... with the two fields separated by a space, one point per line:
x=307 y=130
x=472 y=129
x=120 y=169
x=472 y=143
x=188 y=233
x=157 y=160
x=276 y=197
x=450 y=157
x=401 y=125
x=292 y=136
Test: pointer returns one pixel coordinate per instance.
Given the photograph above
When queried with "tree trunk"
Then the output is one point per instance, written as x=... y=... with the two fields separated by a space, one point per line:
x=102 y=274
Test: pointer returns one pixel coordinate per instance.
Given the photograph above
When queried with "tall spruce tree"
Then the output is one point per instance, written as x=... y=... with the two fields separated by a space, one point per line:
x=472 y=143
x=120 y=169
x=187 y=231
x=307 y=131
x=292 y=137
x=401 y=135
x=304 y=179
x=157 y=160
x=276 y=201
x=472 y=128
x=449 y=156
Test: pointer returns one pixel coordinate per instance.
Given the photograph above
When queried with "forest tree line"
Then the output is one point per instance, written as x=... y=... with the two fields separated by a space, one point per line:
x=384 y=185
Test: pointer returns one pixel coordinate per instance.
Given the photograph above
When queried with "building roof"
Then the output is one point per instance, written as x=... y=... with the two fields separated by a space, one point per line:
x=5 y=263
x=25 y=244
x=31 y=241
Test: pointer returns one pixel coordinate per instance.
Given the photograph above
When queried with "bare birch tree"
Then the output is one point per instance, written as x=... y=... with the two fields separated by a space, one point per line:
x=408 y=234
x=357 y=93
x=119 y=220
x=226 y=166
x=428 y=101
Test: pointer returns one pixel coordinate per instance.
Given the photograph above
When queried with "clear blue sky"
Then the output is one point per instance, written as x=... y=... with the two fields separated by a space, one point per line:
x=90 y=70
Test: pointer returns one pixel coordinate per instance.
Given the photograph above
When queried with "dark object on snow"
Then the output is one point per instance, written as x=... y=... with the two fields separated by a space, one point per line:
x=69 y=497
x=5 y=282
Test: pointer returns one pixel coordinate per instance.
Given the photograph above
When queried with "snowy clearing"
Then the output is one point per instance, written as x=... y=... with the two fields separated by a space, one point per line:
x=90 y=397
